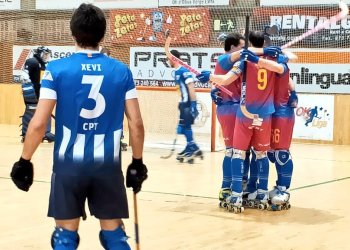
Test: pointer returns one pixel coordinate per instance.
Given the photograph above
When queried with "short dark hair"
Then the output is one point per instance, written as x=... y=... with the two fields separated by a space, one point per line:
x=232 y=39
x=257 y=39
x=175 y=53
x=88 y=25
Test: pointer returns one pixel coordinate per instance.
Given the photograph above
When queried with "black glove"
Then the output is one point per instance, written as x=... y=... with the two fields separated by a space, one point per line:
x=22 y=174
x=136 y=174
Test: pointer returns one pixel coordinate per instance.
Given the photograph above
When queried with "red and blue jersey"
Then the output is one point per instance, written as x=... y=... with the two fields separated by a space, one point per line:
x=224 y=65
x=281 y=92
x=281 y=95
x=259 y=89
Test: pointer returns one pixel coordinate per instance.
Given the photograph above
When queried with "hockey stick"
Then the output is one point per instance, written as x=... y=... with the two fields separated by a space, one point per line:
x=342 y=14
x=175 y=59
x=137 y=239
x=171 y=151
x=255 y=117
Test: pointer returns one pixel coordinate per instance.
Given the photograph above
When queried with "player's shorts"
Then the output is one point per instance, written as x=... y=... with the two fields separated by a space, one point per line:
x=226 y=114
x=246 y=135
x=106 y=196
x=282 y=130
x=186 y=118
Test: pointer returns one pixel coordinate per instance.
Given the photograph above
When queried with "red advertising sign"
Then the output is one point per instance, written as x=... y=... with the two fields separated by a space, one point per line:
x=152 y=26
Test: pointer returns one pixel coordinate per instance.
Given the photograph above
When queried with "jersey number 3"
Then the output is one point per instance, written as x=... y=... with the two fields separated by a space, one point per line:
x=262 y=79
x=96 y=82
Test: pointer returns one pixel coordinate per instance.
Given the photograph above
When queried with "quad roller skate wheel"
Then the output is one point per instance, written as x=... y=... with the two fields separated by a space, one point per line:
x=190 y=161
x=251 y=204
x=181 y=160
x=222 y=204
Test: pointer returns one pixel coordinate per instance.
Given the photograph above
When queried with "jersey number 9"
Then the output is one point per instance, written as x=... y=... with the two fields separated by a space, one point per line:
x=262 y=79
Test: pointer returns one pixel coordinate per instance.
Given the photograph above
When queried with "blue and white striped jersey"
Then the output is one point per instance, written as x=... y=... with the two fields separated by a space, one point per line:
x=90 y=89
x=183 y=77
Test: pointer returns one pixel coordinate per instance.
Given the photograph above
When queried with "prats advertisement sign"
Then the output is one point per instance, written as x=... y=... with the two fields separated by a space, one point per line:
x=152 y=26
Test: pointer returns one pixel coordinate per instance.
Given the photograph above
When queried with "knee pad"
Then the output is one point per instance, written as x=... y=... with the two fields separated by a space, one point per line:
x=68 y=240
x=114 y=240
x=260 y=154
x=282 y=156
x=238 y=154
x=271 y=156
x=228 y=152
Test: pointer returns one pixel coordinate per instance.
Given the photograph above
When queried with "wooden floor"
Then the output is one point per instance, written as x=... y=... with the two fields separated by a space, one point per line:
x=178 y=207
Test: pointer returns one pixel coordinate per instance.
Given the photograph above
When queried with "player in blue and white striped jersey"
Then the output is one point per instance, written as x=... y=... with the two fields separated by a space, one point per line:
x=91 y=93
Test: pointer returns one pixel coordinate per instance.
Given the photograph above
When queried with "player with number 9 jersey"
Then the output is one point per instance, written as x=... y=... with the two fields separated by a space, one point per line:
x=89 y=120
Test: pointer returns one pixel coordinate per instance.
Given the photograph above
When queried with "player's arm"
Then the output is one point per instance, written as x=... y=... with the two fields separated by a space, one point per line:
x=273 y=66
x=293 y=97
x=230 y=76
x=226 y=79
x=136 y=129
x=137 y=171
x=37 y=127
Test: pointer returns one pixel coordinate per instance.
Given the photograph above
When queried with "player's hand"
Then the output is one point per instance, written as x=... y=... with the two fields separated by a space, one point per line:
x=22 y=174
x=204 y=76
x=194 y=111
x=148 y=21
x=293 y=99
x=249 y=56
x=215 y=94
x=136 y=174
x=282 y=59
x=272 y=51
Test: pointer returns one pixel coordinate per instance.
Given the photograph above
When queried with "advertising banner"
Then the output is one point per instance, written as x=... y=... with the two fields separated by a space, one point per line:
x=294 y=21
x=150 y=68
x=187 y=3
x=103 y=4
x=22 y=53
x=314 y=117
x=152 y=26
x=300 y=2
x=321 y=78
x=10 y=5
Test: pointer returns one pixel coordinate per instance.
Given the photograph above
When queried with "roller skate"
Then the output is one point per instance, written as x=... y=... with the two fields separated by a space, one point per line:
x=181 y=156
x=279 y=198
x=49 y=137
x=258 y=199
x=234 y=203
x=223 y=194
x=193 y=152
x=245 y=193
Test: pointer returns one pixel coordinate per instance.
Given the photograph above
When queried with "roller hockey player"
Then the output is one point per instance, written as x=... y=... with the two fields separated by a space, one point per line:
x=188 y=111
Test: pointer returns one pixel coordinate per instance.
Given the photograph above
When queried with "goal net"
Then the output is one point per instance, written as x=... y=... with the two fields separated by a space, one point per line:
x=136 y=34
